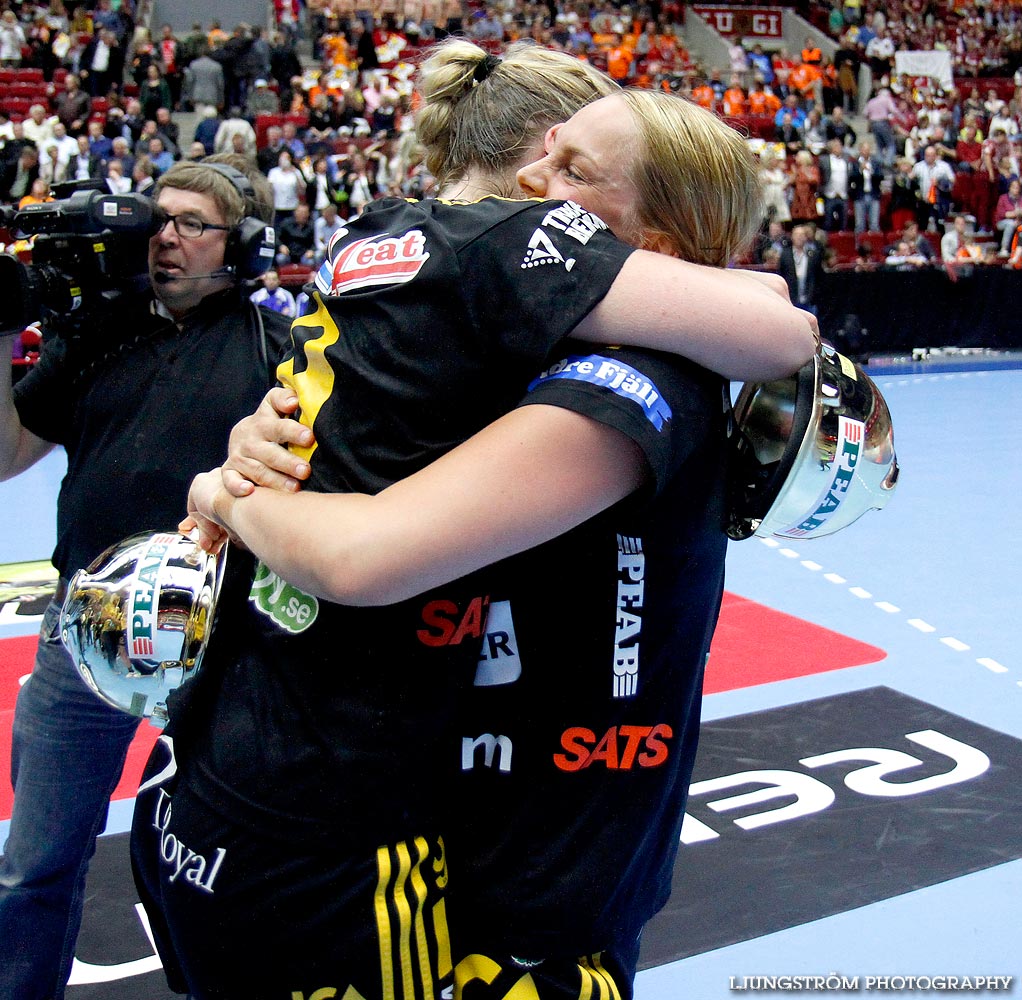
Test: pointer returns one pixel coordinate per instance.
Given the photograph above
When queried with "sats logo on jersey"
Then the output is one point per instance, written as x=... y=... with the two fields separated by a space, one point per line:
x=375 y=260
x=620 y=748
x=449 y=623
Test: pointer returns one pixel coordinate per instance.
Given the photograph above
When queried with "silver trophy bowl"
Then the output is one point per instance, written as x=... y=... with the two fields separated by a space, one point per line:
x=136 y=621
x=816 y=450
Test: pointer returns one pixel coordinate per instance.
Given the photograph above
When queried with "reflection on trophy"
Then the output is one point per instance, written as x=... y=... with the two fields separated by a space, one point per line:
x=136 y=622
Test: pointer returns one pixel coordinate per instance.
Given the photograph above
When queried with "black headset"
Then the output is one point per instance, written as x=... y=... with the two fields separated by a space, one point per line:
x=252 y=244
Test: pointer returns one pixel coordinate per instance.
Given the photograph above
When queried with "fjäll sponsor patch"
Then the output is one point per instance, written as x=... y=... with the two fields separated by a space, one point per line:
x=620 y=378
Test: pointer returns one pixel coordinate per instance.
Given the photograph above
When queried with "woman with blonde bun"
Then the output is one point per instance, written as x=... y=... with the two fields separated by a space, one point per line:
x=496 y=518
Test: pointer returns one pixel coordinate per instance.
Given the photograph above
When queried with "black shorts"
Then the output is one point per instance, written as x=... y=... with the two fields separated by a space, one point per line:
x=241 y=915
x=494 y=975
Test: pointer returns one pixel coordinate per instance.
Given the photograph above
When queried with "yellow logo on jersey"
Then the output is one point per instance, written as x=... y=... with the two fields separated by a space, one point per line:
x=314 y=384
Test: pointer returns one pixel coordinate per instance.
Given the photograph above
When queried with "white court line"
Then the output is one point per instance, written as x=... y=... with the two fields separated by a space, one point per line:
x=917 y=623
x=997 y=668
x=956 y=644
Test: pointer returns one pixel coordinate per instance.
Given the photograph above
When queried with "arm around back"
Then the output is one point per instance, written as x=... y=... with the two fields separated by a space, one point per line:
x=528 y=477
x=740 y=325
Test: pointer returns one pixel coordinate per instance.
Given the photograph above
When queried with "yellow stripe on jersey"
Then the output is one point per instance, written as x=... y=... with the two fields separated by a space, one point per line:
x=404 y=916
x=401 y=904
x=586 y=990
x=444 y=963
x=418 y=887
x=315 y=384
x=383 y=933
x=594 y=974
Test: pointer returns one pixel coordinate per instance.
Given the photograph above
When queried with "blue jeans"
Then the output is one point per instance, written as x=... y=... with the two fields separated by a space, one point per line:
x=867 y=214
x=883 y=132
x=67 y=755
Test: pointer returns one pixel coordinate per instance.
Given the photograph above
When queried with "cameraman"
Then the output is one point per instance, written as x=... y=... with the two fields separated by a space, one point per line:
x=141 y=402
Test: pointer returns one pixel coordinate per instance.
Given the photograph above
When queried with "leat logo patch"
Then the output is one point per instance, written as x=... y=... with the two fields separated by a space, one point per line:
x=376 y=260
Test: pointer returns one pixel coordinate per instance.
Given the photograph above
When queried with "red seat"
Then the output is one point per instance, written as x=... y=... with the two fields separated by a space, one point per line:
x=294 y=275
x=843 y=244
x=758 y=126
x=26 y=92
x=31 y=74
x=18 y=106
x=262 y=123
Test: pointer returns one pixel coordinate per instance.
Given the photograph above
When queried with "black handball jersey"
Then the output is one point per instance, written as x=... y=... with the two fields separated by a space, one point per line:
x=429 y=321
x=575 y=746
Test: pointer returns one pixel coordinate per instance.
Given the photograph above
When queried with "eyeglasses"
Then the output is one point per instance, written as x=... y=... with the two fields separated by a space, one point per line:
x=189 y=227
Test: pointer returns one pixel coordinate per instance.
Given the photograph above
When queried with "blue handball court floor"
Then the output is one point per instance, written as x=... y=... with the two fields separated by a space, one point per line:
x=855 y=822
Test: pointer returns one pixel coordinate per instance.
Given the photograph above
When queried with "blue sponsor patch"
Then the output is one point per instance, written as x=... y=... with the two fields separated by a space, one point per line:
x=620 y=378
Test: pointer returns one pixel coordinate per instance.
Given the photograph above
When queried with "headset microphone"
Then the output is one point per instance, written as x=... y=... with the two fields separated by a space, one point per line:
x=163 y=278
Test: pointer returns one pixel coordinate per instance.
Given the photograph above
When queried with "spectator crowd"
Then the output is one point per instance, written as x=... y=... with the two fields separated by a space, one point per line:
x=848 y=147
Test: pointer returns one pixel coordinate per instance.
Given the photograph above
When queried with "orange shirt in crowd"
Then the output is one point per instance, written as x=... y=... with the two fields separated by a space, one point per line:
x=762 y=103
x=733 y=102
x=703 y=96
x=619 y=61
x=336 y=50
x=803 y=77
